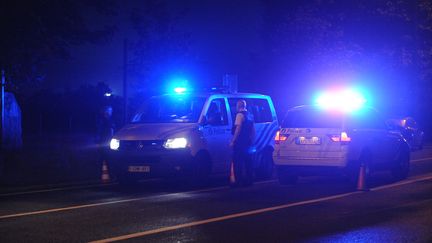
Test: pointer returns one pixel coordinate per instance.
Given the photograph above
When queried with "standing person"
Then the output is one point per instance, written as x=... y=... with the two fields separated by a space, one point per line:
x=105 y=131
x=243 y=137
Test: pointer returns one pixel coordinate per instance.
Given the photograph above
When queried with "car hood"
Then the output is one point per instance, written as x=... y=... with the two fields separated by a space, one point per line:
x=153 y=131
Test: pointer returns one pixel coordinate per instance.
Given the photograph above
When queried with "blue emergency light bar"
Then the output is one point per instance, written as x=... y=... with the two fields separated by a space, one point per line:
x=180 y=90
x=345 y=100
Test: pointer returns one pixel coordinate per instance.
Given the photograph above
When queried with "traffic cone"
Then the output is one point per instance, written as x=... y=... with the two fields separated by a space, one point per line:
x=105 y=175
x=232 y=175
x=361 y=182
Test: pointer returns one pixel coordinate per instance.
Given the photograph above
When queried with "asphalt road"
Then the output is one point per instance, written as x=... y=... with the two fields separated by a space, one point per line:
x=317 y=209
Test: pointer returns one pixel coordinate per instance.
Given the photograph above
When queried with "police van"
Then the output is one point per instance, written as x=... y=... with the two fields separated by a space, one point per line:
x=324 y=139
x=184 y=133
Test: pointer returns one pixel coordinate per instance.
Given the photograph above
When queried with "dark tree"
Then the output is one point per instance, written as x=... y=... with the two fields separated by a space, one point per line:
x=385 y=44
x=159 y=44
x=34 y=31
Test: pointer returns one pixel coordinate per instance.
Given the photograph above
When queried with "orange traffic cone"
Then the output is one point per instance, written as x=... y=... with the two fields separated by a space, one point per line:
x=105 y=175
x=232 y=175
x=361 y=182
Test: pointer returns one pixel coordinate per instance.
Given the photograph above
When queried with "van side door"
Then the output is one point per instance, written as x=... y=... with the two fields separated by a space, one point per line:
x=217 y=134
x=264 y=117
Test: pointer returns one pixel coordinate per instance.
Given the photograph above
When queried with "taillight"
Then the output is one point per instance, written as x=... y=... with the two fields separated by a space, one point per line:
x=280 y=137
x=342 y=137
x=345 y=137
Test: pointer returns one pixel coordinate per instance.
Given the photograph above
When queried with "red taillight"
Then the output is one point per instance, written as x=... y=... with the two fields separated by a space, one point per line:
x=280 y=137
x=342 y=137
x=345 y=137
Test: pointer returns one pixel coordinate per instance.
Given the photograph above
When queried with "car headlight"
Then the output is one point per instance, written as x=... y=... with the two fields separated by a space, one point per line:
x=175 y=143
x=114 y=144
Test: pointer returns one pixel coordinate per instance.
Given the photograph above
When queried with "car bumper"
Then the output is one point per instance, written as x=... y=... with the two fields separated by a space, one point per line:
x=310 y=161
x=151 y=163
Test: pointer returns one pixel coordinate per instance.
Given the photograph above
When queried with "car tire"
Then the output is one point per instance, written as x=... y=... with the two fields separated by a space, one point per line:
x=402 y=167
x=285 y=177
x=266 y=166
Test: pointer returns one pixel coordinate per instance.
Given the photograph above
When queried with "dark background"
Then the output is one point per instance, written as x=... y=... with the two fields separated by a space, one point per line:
x=61 y=57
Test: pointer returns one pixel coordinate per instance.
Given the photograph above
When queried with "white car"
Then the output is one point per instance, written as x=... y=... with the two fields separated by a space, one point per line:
x=189 y=133
x=316 y=141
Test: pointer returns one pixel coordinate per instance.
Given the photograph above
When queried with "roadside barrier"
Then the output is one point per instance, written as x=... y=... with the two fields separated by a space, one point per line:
x=232 y=175
x=105 y=174
x=361 y=182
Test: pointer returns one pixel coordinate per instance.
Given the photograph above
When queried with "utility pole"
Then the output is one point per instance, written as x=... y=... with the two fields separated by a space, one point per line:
x=125 y=68
x=3 y=83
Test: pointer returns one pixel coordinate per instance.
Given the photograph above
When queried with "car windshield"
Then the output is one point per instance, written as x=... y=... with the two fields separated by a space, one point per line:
x=170 y=109
x=312 y=118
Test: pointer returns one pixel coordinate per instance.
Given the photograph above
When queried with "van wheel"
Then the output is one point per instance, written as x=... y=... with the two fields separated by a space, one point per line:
x=266 y=165
x=285 y=177
x=201 y=167
x=402 y=167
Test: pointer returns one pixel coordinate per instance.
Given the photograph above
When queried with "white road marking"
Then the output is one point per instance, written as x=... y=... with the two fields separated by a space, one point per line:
x=404 y=182
x=117 y=201
x=252 y=212
x=142 y=198
x=423 y=159
x=56 y=189
x=110 y=184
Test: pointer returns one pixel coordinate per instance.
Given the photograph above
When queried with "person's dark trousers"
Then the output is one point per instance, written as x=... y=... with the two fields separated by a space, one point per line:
x=243 y=170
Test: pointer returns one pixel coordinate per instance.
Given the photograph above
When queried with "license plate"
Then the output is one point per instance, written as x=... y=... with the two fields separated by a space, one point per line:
x=308 y=140
x=139 y=169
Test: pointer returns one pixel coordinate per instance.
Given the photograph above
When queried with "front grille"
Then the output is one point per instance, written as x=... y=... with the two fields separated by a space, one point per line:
x=138 y=145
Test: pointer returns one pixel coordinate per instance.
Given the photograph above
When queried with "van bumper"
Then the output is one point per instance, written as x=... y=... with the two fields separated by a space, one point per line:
x=151 y=164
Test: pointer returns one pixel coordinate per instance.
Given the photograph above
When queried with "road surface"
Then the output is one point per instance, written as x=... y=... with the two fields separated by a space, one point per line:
x=317 y=209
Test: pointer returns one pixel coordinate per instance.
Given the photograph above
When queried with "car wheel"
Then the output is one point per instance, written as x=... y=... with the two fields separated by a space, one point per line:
x=266 y=166
x=402 y=166
x=285 y=177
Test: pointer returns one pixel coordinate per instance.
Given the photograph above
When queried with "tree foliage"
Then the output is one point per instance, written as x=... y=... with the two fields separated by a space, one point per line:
x=33 y=31
x=159 y=44
x=386 y=43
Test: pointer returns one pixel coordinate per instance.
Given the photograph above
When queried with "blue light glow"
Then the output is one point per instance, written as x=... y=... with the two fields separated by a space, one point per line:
x=180 y=90
x=345 y=100
x=178 y=85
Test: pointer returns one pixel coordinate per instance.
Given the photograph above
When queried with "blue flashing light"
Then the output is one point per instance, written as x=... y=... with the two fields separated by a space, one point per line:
x=180 y=90
x=346 y=100
x=107 y=94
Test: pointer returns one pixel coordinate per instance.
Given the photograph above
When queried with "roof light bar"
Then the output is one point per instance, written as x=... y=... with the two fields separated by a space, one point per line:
x=347 y=100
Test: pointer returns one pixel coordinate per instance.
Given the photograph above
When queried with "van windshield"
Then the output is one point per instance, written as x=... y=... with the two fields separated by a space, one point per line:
x=170 y=109
x=312 y=118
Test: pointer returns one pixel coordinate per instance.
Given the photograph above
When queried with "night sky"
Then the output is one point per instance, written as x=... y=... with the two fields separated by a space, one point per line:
x=223 y=35
x=290 y=50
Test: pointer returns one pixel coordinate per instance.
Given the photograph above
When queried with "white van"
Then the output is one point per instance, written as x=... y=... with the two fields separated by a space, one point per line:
x=189 y=134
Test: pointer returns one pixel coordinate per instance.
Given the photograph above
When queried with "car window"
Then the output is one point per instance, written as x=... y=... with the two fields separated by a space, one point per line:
x=217 y=113
x=259 y=109
x=312 y=118
x=170 y=109
x=369 y=119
